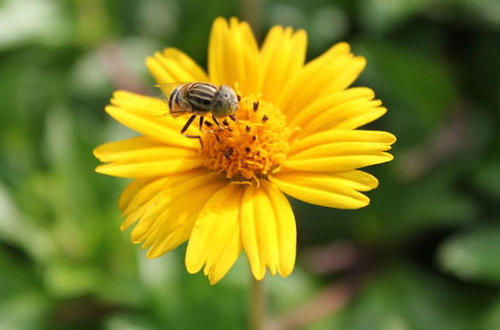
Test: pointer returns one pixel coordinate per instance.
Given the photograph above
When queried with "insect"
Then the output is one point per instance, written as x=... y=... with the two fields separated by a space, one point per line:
x=200 y=99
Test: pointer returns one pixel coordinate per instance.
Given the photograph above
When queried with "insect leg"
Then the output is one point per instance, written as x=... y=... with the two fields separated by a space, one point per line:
x=201 y=122
x=215 y=120
x=188 y=123
x=196 y=137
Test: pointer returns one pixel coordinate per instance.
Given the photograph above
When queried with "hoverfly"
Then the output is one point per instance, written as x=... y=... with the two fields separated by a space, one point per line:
x=201 y=99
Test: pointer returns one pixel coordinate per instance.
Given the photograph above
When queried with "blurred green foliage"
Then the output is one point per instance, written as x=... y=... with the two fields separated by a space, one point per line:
x=425 y=251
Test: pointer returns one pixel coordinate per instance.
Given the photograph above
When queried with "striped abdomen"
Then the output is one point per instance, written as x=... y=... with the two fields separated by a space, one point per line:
x=200 y=96
x=192 y=98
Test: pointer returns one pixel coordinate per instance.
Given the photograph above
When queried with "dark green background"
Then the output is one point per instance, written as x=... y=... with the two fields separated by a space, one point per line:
x=424 y=255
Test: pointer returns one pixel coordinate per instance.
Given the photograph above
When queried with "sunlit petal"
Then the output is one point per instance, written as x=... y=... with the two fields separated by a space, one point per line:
x=215 y=240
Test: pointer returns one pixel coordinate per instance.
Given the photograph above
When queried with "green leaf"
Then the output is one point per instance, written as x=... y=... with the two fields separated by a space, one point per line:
x=402 y=297
x=25 y=310
x=23 y=305
x=491 y=318
x=487 y=178
x=415 y=86
x=124 y=321
x=66 y=280
x=485 y=12
x=19 y=229
x=398 y=211
x=383 y=15
x=473 y=255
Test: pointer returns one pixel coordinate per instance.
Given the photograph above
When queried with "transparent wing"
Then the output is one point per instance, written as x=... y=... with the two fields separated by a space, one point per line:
x=168 y=88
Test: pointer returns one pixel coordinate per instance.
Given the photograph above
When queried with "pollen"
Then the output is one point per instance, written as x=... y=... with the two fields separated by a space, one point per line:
x=250 y=147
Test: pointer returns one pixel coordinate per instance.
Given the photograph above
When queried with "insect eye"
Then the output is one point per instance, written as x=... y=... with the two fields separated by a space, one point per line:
x=239 y=98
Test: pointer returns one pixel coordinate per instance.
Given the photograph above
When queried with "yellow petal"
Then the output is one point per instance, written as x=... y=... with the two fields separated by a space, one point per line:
x=174 y=225
x=330 y=190
x=360 y=119
x=145 y=106
x=141 y=113
x=285 y=228
x=130 y=192
x=338 y=163
x=347 y=180
x=233 y=56
x=341 y=149
x=282 y=56
x=143 y=157
x=331 y=72
x=152 y=168
x=140 y=149
x=172 y=65
x=337 y=150
x=357 y=180
x=322 y=104
x=249 y=235
x=267 y=230
x=216 y=269
x=349 y=115
x=135 y=198
x=133 y=209
x=337 y=136
x=172 y=189
x=215 y=240
x=147 y=192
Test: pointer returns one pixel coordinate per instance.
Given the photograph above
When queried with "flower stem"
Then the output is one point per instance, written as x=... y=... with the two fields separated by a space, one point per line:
x=257 y=312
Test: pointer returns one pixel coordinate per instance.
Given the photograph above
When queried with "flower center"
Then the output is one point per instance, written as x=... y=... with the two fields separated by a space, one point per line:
x=252 y=146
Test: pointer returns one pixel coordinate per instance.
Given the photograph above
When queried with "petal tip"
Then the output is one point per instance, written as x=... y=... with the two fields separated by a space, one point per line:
x=169 y=51
x=392 y=138
x=258 y=272
x=101 y=169
x=150 y=255
x=124 y=226
x=342 y=47
x=97 y=152
x=259 y=277
x=219 y=22
x=285 y=272
x=301 y=34
x=192 y=267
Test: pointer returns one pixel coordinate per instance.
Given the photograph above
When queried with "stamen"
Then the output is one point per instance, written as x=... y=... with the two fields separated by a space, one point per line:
x=251 y=145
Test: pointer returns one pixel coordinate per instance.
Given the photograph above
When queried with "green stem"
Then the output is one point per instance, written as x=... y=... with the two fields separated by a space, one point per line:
x=257 y=313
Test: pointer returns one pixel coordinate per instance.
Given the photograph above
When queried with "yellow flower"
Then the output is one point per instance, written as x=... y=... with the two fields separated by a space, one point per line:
x=296 y=132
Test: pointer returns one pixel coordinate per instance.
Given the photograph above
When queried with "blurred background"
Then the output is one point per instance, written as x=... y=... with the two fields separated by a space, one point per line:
x=425 y=254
